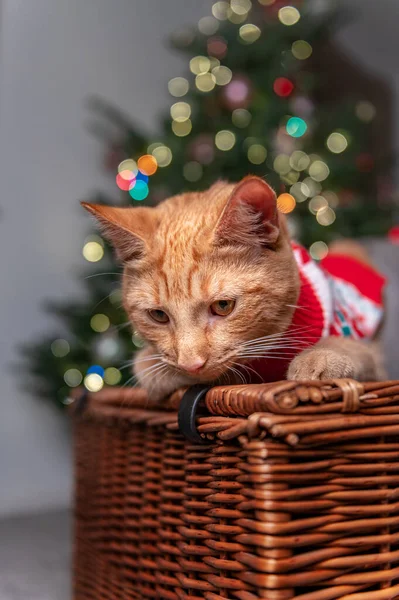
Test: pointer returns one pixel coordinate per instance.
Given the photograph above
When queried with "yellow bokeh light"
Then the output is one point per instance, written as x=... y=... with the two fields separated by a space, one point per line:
x=192 y=171
x=299 y=160
x=289 y=15
x=222 y=75
x=286 y=203
x=200 y=64
x=266 y=2
x=337 y=142
x=331 y=198
x=205 y=82
x=112 y=376
x=301 y=49
x=317 y=203
x=241 y=117
x=73 y=377
x=181 y=129
x=257 y=154
x=178 y=86
x=137 y=340
x=281 y=164
x=127 y=165
x=208 y=25
x=318 y=170
x=365 y=111
x=93 y=251
x=147 y=164
x=312 y=187
x=240 y=7
x=100 y=323
x=163 y=155
x=225 y=140
x=289 y=178
x=93 y=382
x=221 y=10
x=249 y=33
x=318 y=250
x=180 y=111
x=300 y=191
x=326 y=216
x=60 y=348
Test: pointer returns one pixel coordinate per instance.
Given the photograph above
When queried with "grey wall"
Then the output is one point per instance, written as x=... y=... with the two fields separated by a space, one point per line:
x=53 y=54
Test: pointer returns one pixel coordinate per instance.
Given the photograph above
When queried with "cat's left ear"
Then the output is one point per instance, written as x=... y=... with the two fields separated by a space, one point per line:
x=250 y=216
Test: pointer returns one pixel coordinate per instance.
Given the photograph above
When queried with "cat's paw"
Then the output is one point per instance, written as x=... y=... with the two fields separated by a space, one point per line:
x=321 y=363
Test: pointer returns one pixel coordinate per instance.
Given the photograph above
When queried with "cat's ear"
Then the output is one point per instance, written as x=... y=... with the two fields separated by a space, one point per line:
x=127 y=229
x=250 y=216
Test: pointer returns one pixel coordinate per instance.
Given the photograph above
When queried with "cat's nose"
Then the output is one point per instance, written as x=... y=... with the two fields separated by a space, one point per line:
x=192 y=365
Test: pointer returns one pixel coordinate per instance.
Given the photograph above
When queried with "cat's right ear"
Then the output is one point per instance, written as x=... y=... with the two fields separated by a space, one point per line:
x=127 y=229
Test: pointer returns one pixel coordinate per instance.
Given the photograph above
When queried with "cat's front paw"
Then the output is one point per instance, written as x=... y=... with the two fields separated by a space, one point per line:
x=320 y=363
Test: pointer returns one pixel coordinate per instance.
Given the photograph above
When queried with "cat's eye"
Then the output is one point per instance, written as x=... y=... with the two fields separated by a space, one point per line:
x=222 y=308
x=158 y=315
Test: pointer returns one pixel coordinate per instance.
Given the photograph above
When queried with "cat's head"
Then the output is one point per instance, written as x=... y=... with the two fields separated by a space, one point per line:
x=205 y=272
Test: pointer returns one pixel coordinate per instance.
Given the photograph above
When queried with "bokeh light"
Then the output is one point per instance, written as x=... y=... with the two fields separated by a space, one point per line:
x=139 y=191
x=222 y=75
x=289 y=15
x=300 y=191
x=93 y=251
x=286 y=203
x=208 y=25
x=325 y=216
x=100 y=323
x=221 y=10
x=93 y=382
x=60 y=348
x=365 y=111
x=249 y=33
x=147 y=164
x=73 y=377
x=301 y=49
x=137 y=339
x=240 y=7
x=192 y=171
x=257 y=154
x=128 y=165
x=299 y=160
x=122 y=181
x=317 y=203
x=283 y=87
x=312 y=187
x=96 y=369
x=112 y=376
x=337 y=142
x=241 y=117
x=225 y=140
x=181 y=129
x=217 y=48
x=318 y=170
x=318 y=250
x=296 y=127
x=200 y=64
x=205 y=82
x=180 y=111
x=178 y=87
x=281 y=164
x=163 y=155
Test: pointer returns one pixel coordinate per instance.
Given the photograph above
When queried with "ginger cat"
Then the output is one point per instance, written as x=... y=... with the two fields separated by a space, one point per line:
x=218 y=291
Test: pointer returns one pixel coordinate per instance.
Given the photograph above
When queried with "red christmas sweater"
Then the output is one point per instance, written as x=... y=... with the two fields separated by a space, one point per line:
x=339 y=296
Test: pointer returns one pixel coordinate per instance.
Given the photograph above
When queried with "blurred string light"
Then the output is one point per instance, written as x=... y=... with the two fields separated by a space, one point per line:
x=266 y=2
x=222 y=75
x=147 y=164
x=318 y=250
x=180 y=111
x=100 y=323
x=93 y=248
x=139 y=191
x=290 y=178
x=318 y=170
x=283 y=87
x=241 y=7
x=208 y=25
x=365 y=111
x=221 y=10
x=257 y=154
x=93 y=382
x=300 y=191
x=192 y=171
x=205 y=82
x=200 y=64
x=311 y=186
x=60 y=348
x=249 y=33
x=137 y=340
x=325 y=216
x=281 y=164
x=73 y=377
x=317 y=203
x=178 y=87
x=286 y=203
x=337 y=142
x=331 y=198
x=181 y=129
x=133 y=177
x=299 y=160
x=289 y=15
x=216 y=48
x=241 y=117
x=112 y=376
x=225 y=140
x=296 y=127
x=95 y=369
x=163 y=155
x=301 y=49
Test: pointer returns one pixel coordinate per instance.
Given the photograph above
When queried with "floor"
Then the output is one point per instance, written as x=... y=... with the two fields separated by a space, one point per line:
x=35 y=556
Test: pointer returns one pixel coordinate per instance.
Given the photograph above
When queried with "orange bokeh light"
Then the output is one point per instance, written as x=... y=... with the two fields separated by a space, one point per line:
x=147 y=164
x=286 y=203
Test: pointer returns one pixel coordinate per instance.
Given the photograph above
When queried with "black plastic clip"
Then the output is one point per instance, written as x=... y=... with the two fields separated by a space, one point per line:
x=188 y=412
x=81 y=403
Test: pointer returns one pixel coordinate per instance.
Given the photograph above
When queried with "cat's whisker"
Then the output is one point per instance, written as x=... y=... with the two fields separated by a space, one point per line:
x=248 y=369
x=130 y=363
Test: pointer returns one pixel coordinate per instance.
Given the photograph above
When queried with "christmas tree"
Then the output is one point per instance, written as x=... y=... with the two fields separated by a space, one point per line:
x=251 y=101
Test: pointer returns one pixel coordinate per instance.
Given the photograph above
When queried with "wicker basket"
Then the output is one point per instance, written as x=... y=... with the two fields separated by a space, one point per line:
x=292 y=491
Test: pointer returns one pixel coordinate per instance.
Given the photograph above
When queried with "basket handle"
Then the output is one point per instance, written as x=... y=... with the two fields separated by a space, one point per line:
x=187 y=414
